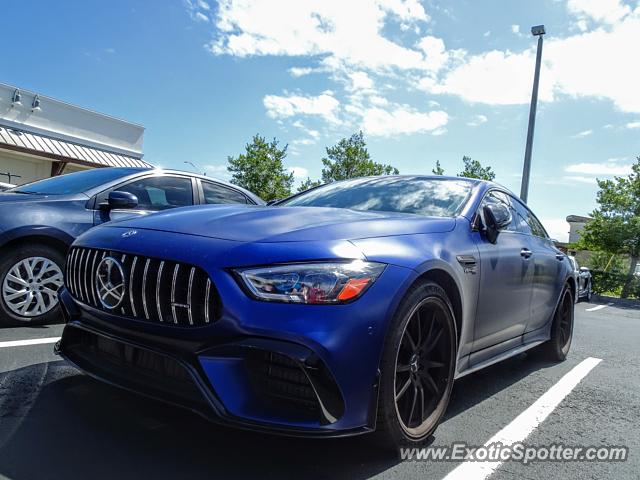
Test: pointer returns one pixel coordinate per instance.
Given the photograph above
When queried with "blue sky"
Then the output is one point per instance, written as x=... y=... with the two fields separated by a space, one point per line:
x=425 y=80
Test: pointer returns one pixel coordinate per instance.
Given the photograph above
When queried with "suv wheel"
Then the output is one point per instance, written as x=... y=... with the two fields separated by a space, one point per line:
x=30 y=277
x=418 y=367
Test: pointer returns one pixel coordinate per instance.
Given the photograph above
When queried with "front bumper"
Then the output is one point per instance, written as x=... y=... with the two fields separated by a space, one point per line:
x=289 y=378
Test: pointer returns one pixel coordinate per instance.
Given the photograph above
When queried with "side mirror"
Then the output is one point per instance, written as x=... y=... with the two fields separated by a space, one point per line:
x=496 y=218
x=121 y=201
x=584 y=269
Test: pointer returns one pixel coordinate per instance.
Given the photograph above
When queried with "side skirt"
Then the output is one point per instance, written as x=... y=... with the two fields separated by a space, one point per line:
x=500 y=357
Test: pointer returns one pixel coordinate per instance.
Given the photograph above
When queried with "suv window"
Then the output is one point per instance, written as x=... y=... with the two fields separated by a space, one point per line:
x=158 y=193
x=215 y=193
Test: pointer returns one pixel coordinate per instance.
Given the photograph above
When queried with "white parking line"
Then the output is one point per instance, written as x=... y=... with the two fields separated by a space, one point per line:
x=597 y=307
x=34 y=341
x=525 y=423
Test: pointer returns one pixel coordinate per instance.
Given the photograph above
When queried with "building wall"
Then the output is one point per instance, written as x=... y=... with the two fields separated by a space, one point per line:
x=30 y=168
x=574 y=231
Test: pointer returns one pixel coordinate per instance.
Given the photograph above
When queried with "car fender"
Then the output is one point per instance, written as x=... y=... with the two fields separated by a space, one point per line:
x=35 y=231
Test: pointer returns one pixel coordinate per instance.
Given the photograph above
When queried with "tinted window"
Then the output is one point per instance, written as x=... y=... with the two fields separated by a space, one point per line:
x=530 y=222
x=214 y=193
x=76 y=182
x=419 y=195
x=160 y=193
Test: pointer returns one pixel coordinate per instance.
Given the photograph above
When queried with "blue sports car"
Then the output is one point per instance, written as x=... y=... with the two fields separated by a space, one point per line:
x=346 y=309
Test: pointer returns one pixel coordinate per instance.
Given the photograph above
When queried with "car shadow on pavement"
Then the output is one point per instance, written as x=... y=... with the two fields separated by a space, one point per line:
x=77 y=427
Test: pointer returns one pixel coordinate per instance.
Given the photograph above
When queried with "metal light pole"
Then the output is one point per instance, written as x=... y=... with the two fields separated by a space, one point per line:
x=537 y=31
x=194 y=166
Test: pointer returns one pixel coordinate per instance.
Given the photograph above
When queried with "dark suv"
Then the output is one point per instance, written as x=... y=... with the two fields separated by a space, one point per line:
x=40 y=220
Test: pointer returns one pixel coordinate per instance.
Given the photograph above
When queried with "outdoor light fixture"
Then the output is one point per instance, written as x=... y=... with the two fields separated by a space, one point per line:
x=35 y=105
x=16 y=98
x=538 y=30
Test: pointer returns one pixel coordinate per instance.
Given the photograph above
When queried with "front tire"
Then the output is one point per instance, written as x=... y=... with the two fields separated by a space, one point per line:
x=557 y=347
x=417 y=368
x=30 y=276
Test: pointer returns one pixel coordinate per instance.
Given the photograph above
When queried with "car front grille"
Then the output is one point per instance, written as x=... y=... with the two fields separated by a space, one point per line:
x=157 y=291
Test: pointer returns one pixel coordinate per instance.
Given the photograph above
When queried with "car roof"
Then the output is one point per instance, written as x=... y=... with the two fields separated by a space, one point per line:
x=130 y=171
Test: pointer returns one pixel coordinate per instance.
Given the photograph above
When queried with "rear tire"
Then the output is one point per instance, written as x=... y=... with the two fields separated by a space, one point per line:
x=589 y=292
x=557 y=347
x=30 y=276
x=417 y=368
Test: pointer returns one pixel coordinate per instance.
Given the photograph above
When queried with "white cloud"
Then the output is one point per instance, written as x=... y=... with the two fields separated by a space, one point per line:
x=348 y=33
x=401 y=119
x=633 y=125
x=203 y=5
x=301 y=71
x=477 y=120
x=608 y=168
x=349 y=43
x=495 y=77
x=608 y=11
x=324 y=105
x=584 y=133
x=487 y=33
x=299 y=172
x=197 y=10
x=504 y=77
x=201 y=17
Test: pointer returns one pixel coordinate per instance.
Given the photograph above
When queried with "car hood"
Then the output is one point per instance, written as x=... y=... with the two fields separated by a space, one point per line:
x=285 y=224
x=20 y=197
x=8 y=197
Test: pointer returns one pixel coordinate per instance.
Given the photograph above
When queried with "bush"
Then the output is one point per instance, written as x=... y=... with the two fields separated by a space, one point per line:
x=611 y=283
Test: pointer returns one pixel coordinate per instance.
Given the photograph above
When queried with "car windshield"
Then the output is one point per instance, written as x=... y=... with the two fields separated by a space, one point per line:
x=438 y=197
x=74 y=182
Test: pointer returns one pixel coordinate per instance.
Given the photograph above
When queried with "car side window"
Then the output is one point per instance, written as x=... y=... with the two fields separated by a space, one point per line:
x=495 y=197
x=531 y=223
x=216 y=194
x=160 y=193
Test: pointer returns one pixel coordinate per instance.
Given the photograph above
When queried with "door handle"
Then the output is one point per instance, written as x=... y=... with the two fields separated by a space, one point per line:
x=560 y=256
x=526 y=253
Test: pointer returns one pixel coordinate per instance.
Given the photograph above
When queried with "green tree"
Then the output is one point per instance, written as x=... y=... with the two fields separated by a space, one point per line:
x=350 y=159
x=615 y=227
x=307 y=184
x=474 y=169
x=261 y=169
x=438 y=170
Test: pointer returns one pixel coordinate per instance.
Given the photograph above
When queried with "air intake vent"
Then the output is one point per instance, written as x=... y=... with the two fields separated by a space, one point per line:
x=149 y=289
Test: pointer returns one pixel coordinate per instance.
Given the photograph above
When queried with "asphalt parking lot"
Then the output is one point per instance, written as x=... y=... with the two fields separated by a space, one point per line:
x=58 y=423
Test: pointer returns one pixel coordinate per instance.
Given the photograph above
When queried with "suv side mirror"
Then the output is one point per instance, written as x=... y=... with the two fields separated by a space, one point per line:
x=584 y=269
x=496 y=218
x=120 y=201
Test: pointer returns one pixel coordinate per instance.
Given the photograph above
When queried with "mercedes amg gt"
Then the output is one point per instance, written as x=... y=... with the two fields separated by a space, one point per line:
x=349 y=308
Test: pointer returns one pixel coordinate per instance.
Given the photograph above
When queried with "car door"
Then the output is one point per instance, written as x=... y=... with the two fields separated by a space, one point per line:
x=154 y=193
x=547 y=261
x=506 y=274
x=216 y=193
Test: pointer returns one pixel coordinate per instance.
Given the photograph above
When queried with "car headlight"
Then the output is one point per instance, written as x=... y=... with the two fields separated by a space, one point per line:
x=312 y=283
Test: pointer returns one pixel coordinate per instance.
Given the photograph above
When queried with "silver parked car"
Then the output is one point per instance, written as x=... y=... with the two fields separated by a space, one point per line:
x=584 y=280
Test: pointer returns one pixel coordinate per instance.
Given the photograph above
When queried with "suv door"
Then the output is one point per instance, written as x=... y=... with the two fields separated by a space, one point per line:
x=154 y=193
x=547 y=261
x=506 y=275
